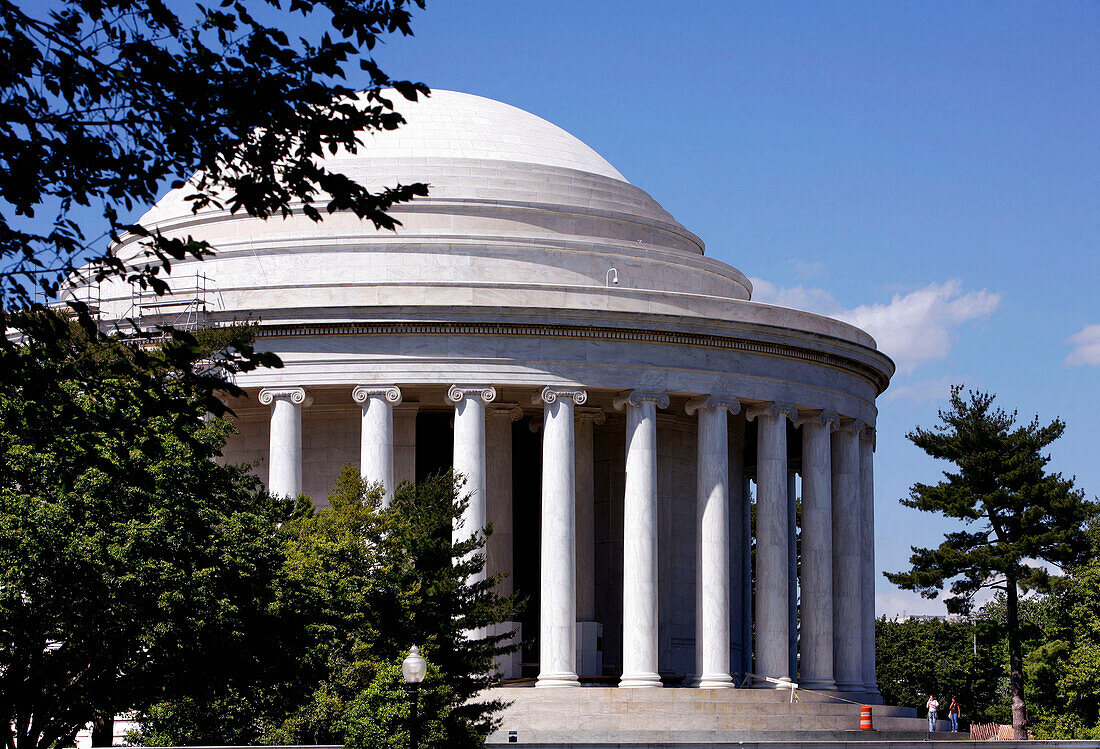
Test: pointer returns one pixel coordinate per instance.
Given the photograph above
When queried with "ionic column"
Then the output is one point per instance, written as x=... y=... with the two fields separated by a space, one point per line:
x=376 y=441
x=640 y=538
x=772 y=628
x=558 y=584
x=712 y=546
x=847 y=562
x=867 y=573
x=817 y=550
x=284 y=477
x=469 y=456
x=588 y=629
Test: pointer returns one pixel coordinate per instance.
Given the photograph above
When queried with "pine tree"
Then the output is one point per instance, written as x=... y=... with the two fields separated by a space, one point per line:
x=1019 y=520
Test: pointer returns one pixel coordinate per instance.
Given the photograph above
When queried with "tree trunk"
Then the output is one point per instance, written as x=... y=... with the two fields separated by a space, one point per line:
x=103 y=731
x=1015 y=661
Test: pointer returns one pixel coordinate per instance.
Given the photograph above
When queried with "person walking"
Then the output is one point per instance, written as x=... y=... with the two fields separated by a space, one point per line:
x=953 y=713
x=933 y=705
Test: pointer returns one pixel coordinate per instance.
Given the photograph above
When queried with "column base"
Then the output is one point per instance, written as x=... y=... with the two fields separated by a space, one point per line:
x=873 y=697
x=563 y=679
x=713 y=681
x=639 y=681
x=821 y=685
x=850 y=686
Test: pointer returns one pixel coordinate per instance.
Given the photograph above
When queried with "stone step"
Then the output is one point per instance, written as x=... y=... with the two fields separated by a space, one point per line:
x=782 y=739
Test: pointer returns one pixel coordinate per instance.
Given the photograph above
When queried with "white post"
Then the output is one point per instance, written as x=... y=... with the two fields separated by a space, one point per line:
x=376 y=441
x=640 y=539
x=817 y=551
x=469 y=456
x=772 y=647
x=867 y=575
x=712 y=546
x=847 y=564
x=558 y=594
x=284 y=478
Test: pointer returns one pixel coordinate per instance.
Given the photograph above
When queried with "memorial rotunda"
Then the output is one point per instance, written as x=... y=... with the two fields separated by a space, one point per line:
x=616 y=401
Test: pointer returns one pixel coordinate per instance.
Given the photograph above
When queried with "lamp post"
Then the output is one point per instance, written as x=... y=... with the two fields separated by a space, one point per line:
x=413 y=669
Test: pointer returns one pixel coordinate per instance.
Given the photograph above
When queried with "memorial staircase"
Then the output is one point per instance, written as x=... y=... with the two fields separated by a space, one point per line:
x=596 y=715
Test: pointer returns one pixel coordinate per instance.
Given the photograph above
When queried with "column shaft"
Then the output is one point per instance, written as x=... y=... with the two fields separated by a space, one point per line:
x=469 y=458
x=640 y=540
x=772 y=647
x=284 y=477
x=558 y=614
x=376 y=441
x=847 y=630
x=817 y=551
x=867 y=573
x=712 y=548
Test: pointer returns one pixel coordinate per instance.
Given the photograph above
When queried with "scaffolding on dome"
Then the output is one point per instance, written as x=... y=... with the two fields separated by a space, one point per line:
x=184 y=307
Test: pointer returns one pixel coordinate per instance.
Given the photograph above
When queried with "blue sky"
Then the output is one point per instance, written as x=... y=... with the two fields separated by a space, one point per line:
x=928 y=170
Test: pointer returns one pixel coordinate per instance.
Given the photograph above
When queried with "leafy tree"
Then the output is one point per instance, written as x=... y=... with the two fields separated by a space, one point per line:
x=103 y=104
x=129 y=557
x=918 y=657
x=369 y=583
x=1016 y=516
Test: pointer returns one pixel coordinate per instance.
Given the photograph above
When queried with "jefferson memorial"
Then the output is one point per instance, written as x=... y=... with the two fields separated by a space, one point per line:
x=638 y=432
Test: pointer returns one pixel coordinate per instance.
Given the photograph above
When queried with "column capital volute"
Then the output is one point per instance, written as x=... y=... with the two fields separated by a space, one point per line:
x=512 y=411
x=299 y=396
x=390 y=393
x=850 y=426
x=713 y=402
x=638 y=397
x=869 y=434
x=817 y=417
x=772 y=409
x=551 y=393
x=487 y=393
x=595 y=415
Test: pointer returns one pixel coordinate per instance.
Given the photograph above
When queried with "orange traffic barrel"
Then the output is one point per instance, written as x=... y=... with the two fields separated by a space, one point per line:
x=865 y=718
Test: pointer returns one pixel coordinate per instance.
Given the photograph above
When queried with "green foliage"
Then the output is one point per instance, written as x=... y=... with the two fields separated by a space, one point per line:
x=1016 y=516
x=106 y=103
x=1020 y=513
x=918 y=657
x=131 y=561
x=382 y=715
x=366 y=583
x=390 y=579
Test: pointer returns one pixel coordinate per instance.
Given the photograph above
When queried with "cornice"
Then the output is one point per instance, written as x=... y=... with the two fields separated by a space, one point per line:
x=589 y=332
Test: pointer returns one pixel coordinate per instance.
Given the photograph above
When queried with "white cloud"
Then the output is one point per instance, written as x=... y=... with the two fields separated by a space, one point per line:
x=925 y=390
x=1086 y=347
x=911 y=328
x=804 y=271
x=891 y=603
